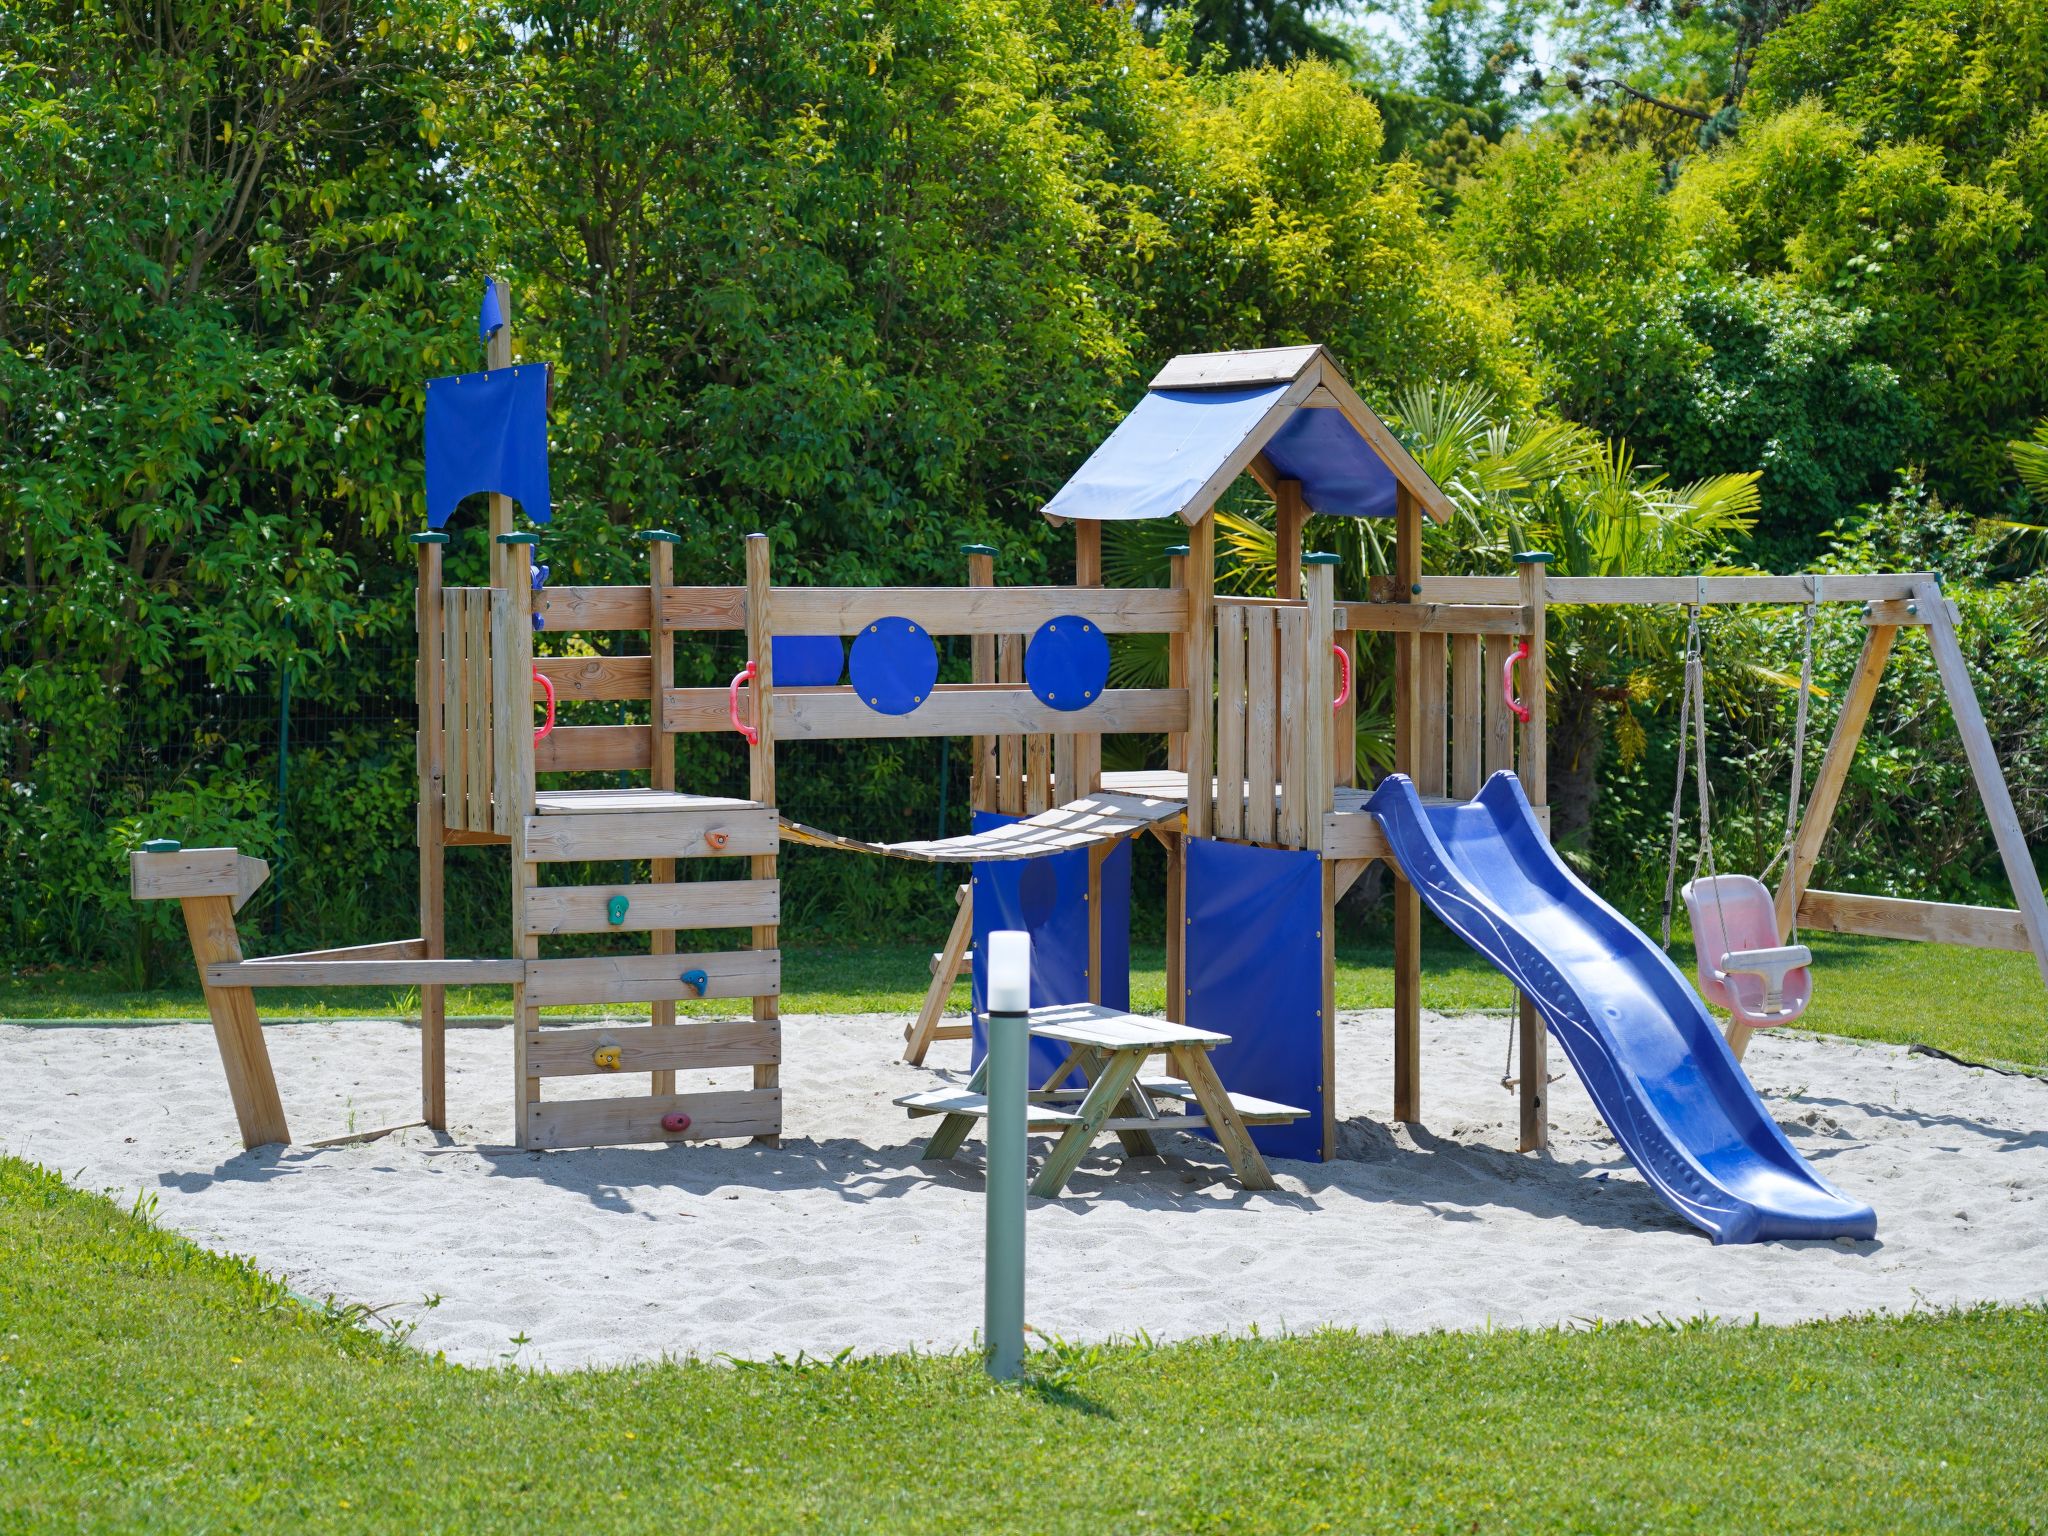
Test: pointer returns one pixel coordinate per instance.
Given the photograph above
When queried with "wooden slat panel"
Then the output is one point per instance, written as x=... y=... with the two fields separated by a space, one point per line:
x=954 y=709
x=1292 y=823
x=704 y=609
x=1500 y=722
x=696 y=1045
x=366 y=973
x=650 y=835
x=598 y=677
x=1468 y=727
x=1010 y=748
x=1261 y=768
x=652 y=978
x=454 y=712
x=1937 y=922
x=686 y=904
x=977 y=611
x=743 y=1112
x=1431 y=736
x=476 y=699
x=593 y=749
x=512 y=695
x=1230 y=721
x=582 y=610
x=1037 y=773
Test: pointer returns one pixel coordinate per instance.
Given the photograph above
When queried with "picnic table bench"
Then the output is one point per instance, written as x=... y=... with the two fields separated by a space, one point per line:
x=1107 y=1050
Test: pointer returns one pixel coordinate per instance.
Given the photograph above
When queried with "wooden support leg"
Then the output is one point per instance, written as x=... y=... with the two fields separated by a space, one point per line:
x=1407 y=1003
x=1535 y=1084
x=925 y=1029
x=210 y=924
x=1104 y=1094
x=1192 y=1062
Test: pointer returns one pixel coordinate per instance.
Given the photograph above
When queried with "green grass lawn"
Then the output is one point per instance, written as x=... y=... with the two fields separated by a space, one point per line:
x=146 y=1384
x=1979 y=1004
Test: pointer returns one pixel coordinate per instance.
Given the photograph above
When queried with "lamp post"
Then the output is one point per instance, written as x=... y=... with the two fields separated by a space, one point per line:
x=1009 y=1039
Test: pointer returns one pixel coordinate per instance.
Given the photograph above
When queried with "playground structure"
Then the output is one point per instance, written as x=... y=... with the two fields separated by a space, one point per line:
x=1263 y=824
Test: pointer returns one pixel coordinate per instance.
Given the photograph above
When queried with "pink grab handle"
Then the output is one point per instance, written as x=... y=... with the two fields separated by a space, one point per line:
x=732 y=705
x=1343 y=655
x=541 y=731
x=1515 y=706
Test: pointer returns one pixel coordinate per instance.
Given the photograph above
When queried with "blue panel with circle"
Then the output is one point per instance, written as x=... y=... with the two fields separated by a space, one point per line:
x=808 y=661
x=893 y=666
x=1067 y=662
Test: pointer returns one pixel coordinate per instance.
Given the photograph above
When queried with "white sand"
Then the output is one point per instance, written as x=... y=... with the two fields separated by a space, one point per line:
x=844 y=1238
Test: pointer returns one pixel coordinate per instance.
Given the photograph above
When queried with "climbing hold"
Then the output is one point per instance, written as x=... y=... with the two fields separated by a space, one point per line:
x=606 y=1057
x=675 y=1125
x=716 y=840
x=698 y=980
x=615 y=910
x=162 y=845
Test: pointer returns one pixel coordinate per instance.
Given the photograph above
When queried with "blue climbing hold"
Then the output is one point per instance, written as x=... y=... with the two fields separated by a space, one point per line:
x=893 y=666
x=697 y=979
x=1067 y=662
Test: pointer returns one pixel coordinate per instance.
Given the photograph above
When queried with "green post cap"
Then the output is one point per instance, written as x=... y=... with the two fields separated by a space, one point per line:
x=518 y=538
x=162 y=845
x=979 y=549
x=658 y=536
x=1533 y=557
x=1177 y=549
x=1319 y=559
x=427 y=538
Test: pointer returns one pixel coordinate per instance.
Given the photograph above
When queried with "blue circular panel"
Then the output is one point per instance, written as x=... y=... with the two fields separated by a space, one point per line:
x=1067 y=662
x=808 y=660
x=893 y=666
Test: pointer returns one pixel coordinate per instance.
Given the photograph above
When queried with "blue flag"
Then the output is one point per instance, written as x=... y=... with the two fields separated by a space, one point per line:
x=488 y=432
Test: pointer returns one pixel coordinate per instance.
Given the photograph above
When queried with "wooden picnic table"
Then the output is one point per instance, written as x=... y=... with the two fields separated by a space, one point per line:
x=1108 y=1050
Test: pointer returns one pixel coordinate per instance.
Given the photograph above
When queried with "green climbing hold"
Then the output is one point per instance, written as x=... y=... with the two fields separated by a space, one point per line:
x=615 y=910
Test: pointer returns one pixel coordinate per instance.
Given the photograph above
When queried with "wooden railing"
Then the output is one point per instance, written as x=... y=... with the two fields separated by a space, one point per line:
x=1276 y=717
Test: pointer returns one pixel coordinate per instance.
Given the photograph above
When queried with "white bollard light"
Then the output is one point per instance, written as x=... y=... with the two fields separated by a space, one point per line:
x=1009 y=1050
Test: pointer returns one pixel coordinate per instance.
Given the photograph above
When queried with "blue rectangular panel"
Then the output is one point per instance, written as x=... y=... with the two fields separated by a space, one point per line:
x=1255 y=973
x=1048 y=899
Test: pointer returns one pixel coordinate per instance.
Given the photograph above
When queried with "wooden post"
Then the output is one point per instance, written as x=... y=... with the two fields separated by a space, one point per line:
x=1407 y=903
x=432 y=822
x=1201 y=671
x=1534 y=1087
x=1984 y=767
x=1177 y=660
x=511 y=771
x=981 y=572
x=761 y=769
x=1289 y=515
x=210 y=924
x=661 y=646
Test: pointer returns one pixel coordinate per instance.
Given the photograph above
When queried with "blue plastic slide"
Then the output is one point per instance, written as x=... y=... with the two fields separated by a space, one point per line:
x=1638 y=1036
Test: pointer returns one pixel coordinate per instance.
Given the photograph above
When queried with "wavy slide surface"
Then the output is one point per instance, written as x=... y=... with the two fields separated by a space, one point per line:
x=1636 y=1033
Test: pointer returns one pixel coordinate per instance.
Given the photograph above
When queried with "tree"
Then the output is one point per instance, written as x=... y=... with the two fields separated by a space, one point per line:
x=1242 y=34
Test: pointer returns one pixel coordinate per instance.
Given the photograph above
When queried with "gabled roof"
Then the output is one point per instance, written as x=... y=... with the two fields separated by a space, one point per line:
x=1283 y=413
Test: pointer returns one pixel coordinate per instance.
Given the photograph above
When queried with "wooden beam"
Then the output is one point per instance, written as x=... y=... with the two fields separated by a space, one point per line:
x=1435 y=618
x=661 y=775
x=596 y=749
x=1933 y=922
x=637 y=834
x=598 y=677
x=696 y=1045
x=1289 y=517
x=583 y=610
x=1199 y=720
x=660 y=909
x=652 y=978
x=977 y=610
x=195 y=872
x=1683 y=590
x=959 y=940
x=718 y=1116
x=430 y=746
x=393 y=949
x=764 y=620
x=364 y=973
x=1407 y=902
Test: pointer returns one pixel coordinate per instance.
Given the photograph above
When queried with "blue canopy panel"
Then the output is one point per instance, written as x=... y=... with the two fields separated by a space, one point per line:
x=1175 y=440
x=488 y=432
x=1340 y=474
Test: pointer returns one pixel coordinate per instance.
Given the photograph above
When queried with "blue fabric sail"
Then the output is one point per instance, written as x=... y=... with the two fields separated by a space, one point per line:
x=488 y=432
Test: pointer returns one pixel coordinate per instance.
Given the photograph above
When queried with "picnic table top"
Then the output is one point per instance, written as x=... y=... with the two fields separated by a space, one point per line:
x=1110 y=1029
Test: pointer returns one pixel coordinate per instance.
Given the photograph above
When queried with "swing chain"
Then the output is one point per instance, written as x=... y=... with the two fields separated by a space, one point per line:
x=1792 y=800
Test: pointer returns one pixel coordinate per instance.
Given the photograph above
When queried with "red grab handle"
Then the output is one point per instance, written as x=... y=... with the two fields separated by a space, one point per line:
x=540 y=732
x=1507 y=681
x=1343 y=655
x=732 y=705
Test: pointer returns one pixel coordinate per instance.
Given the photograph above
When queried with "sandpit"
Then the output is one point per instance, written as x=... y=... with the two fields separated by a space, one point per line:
x=842 y=1238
